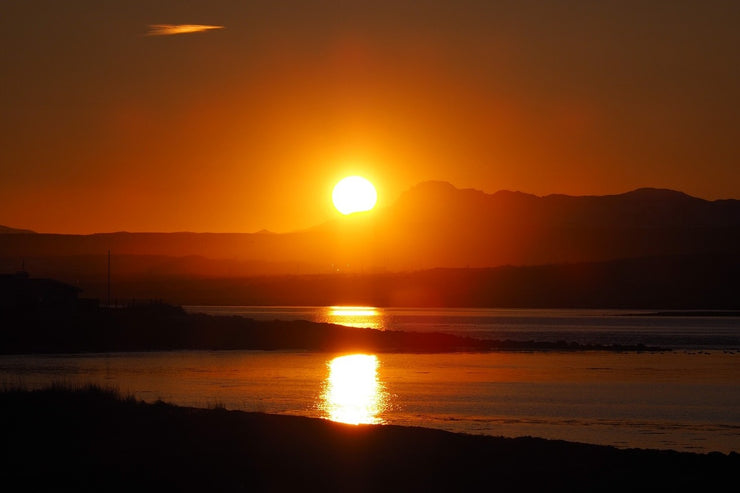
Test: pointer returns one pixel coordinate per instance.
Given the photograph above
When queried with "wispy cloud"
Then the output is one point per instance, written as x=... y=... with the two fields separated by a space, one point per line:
x=170 y=29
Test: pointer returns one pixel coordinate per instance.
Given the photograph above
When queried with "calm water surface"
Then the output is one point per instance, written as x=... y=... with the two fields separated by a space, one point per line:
x=679 y=400
x=686 y=399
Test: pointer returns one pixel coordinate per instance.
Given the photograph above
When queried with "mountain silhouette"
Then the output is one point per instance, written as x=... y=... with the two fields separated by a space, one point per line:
x=432 y=225
x=5 y=230
x=457 y=228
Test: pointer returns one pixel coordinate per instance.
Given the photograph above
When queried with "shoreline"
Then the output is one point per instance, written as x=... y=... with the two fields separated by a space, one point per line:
x=92 y=438
x=161 y=327
x=668 y=401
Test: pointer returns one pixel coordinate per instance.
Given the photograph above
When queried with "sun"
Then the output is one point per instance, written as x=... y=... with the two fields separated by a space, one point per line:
x=354 y=194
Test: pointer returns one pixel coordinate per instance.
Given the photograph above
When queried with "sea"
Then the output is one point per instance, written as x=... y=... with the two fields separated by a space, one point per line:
x=685 y=396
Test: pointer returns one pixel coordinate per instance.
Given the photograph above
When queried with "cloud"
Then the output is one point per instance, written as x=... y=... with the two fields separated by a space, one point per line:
x=169 y=29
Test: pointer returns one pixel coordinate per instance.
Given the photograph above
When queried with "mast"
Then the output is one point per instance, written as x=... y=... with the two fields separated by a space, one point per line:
x=109 y=278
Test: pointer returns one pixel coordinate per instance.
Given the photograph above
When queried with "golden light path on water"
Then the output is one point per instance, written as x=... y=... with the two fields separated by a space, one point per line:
x=352 y=392
x=366 y=317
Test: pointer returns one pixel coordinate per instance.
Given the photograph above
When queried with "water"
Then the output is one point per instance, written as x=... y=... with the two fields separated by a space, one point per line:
x=687 y=399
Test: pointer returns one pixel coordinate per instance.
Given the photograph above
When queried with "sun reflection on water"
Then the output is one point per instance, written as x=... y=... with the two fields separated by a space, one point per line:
x=366 y=317
x=352 y=392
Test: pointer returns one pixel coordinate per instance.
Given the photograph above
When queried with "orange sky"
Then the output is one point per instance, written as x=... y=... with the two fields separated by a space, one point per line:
x=248 y=127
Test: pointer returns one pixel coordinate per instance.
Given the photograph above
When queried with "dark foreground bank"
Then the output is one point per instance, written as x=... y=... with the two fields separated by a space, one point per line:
x=94 y=440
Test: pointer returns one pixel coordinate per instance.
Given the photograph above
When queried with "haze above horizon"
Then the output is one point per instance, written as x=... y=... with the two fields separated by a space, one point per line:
x=241 y=117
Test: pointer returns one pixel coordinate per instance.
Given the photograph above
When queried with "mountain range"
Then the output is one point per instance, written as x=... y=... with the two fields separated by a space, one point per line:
x=431 y=226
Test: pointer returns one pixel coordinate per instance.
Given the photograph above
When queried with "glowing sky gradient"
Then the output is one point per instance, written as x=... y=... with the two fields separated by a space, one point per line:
x=106 y=128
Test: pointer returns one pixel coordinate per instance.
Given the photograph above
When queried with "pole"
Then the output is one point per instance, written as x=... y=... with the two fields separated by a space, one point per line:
x=109 y=278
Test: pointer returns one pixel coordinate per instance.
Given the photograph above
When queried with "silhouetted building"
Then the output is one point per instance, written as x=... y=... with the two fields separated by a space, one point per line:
x=20 y=292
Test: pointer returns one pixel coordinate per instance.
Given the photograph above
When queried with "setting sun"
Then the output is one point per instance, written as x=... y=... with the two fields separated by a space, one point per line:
x=354 y=194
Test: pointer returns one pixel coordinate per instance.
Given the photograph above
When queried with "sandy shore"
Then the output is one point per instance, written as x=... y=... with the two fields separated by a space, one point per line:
x=94 y=440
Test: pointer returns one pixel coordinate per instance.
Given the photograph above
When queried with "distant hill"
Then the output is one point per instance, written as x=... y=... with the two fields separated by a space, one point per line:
x=460 y=228
x=710 y=282
x=433 y=225
x=5 y=230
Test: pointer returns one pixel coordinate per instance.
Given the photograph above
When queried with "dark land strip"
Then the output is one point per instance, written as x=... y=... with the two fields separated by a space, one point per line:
x=160 y=327
x=688 y=313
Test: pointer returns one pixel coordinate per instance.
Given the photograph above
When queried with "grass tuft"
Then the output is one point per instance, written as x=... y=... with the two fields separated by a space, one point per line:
x=61 y=387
